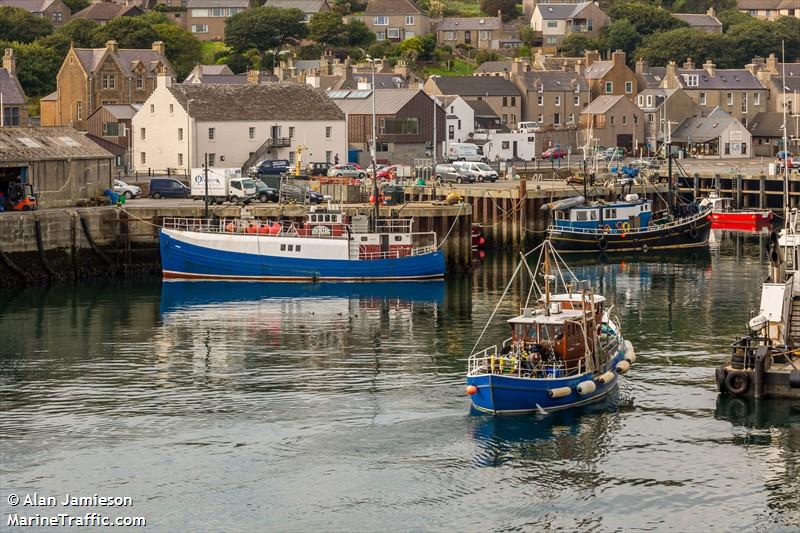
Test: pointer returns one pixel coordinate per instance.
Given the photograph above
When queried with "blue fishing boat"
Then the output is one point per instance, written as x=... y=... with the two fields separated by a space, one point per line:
x=327 y=246
x=565 y=350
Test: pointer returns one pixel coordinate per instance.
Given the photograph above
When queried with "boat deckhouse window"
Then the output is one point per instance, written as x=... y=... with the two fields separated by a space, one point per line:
x=297 y=248
x=364 y=239
x=291 y=247
x=398 y=238
x=283 y=247
x=582 y=215
x=611 y=213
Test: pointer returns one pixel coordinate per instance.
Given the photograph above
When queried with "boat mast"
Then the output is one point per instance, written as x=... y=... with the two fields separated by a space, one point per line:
x=669 y=165
x=372 y=150
x=547 y=280
x=785 y=139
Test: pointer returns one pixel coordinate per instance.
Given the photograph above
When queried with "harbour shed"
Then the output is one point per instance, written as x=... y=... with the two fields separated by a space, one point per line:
x=61 y=163
x=716 y=135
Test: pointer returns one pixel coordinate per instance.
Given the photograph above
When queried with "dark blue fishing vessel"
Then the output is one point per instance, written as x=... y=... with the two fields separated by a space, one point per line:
x=564 y=351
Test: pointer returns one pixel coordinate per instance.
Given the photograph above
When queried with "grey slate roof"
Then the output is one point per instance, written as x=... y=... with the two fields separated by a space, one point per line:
x=90 y=58
x=481 y=109
x=470 y=24
x=33 y=6
x=306 y=64
x=734 y=79
x=770 y=124
x=195 y=4
x=387 y=101
x=121 y=111
x=701 y=20
x=306 y=6
x=554 y=80
x=391 y=7
x=11 y=89
x=476 y=86
x=266 y=101
x=766 y=4
x=702 y=129
x=560 y=11
x=659 y=97
x=494 y=66
x=47 y=143
x=382 y=81
x=602 y=104
x=598 y=69
x=104 y=11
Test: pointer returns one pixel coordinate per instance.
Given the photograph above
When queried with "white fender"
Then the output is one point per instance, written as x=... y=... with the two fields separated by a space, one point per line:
x=586 y=387
x=623 y=366
x=559 y=392
x=608 y=377
x=630 y=355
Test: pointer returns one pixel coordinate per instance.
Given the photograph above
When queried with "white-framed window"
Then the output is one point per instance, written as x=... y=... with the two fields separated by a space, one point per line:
x=449 y=36
x=180 y=134
x=729 y=98
x=649 y=100
x=199 y=28
x=152 y=108
x=572 y=118
x=212 y=159
x=692 y=80
x=251 y=133
x=628 y=87
x=142 y=133
x=552 y=24
x=756 y=98
x=393 y=33
x=108 y=81
x=291 y=157
x=556 y=119
x=702 y=98
x=380 y=35
x=640 y=100
x=140 y=82
x=291 y=132
x=57 y=16
x=557 y=100
x=540 y=118
x=552 y=39
x=328 y=131
x=381 y=21
x=212 y=132
x=143 y=158
x=484 y=35
x=577 y=99
x=409 y=20
x=609 y=87
x=328 y=156
x=540 y=100
x=180 y=160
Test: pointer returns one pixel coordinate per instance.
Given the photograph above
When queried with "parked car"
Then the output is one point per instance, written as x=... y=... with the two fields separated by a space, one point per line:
x=266 y=194
x=346 y=171
x=793 y=163
x=317 y=169
x=394 y=171
x=168 y=188
x=129 y=191
x=645 y=163
x=784 y=154
x=614 y=153
x=447 y=172
x=476 y=171
x=302 y=194
x=273 y=167
x=554 y=153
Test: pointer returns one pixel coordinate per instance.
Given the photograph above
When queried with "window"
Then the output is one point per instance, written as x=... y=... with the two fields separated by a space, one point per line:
x=756 y=98
x=393 y=33
x=577 y=99
x=180 y=134
x=142 y=133
x=143 y=158
x=79 y=110
x=180 y=160
x=451 y=132
x=399 y=126
x=635 y=119
x=540 y=118
x=171 y=109
x=57 y=16
x=211 y=133
x=484 y=35
x=296 y=247
x=582 y=215
x=513 y=100
x=702 y=98
x=251 y=132
x=540 y=100
x=557 y=119
x=110 y=129
x=691 y=80
x=611 y=120
x=139 y=82
x=199 y=28
x=609 y=87
x=108 y=81
x=624 y=119
x=729 y=98
x=505 y=101
x=409 y=20
x=505 y=118
x=513 y=118
x=744 y=102
x=449 y=36
x=291 y=132
x=328 y=130
x=408 y=34
x=727 y=148
x=611 y=213
x=283 y=247
x=381 y=21
x=649 y=100
x=152 y=108
x=380 y=35
x=381 y=147
x=11 y=116
x=640 y=100
x=557 y=100
x=291 y=158
x=328 y=156
x=572 y=118
x=212 y=159
x=552 y=40
x=552 y=24
x=628 y=87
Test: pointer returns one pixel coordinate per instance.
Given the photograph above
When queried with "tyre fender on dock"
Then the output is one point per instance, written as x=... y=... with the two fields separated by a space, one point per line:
x=737 y=382
x=622 y=367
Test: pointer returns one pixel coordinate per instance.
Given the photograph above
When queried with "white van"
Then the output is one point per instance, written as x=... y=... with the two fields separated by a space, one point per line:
x=464 y=152
x=528 y=127
x=476 y=171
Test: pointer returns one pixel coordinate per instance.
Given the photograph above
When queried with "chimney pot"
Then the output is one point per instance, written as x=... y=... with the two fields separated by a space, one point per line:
x=9 y=62
x=689 y=64
x=253 y=77
x=159 y=47
x=111 y=46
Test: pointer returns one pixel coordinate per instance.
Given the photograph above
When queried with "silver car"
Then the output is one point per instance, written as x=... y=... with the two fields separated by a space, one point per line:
x=129 y=191
x=448 y=173
x=346 y=171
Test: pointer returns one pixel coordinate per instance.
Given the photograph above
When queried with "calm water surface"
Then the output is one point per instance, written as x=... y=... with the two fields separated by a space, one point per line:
x=271 y=407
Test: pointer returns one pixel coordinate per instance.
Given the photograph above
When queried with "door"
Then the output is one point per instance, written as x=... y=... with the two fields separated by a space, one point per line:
x=515 y=149
x=276 y=132
x=384 y=243
x=625 y=140
x=467 y=37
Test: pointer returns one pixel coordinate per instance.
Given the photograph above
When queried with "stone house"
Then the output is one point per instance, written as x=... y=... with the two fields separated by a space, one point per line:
x=234 y=125
x=395 y=20
x=103 y=11
x=781 y=79
x=664 y=110
x=205 y=19
x=92 y=77
x=555 y=21
x=14 y=106
x=736 y=91
x=769 y=9
x=715 y=135
x=483 y=33
x=610 y=77
x=110 y=126
x=308 y=7
x=54 y=11
x=767 y=134
x=707 y=22
x=613 y=120
x=499 y=93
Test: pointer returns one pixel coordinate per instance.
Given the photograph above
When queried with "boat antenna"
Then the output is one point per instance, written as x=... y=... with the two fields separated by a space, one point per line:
x=547 y=279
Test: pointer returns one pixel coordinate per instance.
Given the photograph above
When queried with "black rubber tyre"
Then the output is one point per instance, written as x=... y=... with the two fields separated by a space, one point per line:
x=128 y=195
x=719 y=374
x=263 y=198
x=157 y=195
x=693 y=233
x=602 y=244
x=361 y=175
x=459 y=180
x=737 y=382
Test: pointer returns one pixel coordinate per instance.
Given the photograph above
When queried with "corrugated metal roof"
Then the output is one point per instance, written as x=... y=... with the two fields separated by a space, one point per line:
x=703 y=129
x=47 y=143
x=387 y=101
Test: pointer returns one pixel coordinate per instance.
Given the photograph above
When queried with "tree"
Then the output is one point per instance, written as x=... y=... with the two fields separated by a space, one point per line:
x=621 y=35
x=528 y=36
x=701 y=6
x=17 y=24
x=183 y=49
x=264 y=28
x=79 y=32
x=732 y=17
x=129 y=32
x=327 y=29
x=760 y=38
x=37 y=66
x=645 y=17
x=76 y=5
x=508 y=8
x=676 y=45
x=576 y=44
x=358 y=34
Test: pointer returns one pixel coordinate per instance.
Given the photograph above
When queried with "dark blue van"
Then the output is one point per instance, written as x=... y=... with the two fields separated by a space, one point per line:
x=273 y=167
x=168 y=188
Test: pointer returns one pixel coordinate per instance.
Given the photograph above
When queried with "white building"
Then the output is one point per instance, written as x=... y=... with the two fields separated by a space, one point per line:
x=179 y=124
x=460 y=119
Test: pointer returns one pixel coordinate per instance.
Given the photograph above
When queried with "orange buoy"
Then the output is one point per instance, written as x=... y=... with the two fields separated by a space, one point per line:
x=229 y=227
x=471 y=389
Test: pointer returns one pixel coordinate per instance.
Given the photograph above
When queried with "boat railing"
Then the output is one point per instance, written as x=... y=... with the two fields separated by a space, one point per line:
x=422 y=250
x=743 y=351
x=615 y=231
x=489 y=361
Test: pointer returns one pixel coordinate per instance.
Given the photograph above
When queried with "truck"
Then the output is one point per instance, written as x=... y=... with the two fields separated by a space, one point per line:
x=224 y=185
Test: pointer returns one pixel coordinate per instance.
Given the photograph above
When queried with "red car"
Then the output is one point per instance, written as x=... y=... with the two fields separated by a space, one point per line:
x=554 y=152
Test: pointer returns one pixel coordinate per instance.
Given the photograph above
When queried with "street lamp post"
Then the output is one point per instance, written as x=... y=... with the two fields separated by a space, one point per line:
x=372 y=150
x=434 y=77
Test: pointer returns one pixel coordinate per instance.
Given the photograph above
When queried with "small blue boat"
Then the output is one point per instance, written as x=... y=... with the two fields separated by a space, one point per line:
x=327 y=246
x=564 y=351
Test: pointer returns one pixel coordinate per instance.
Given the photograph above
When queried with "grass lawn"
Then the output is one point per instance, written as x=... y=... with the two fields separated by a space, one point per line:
x=463 y=8
x=210 y=48
x=454 y=67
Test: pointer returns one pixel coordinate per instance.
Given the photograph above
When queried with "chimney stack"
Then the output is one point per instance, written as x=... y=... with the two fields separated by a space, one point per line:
x=163 y=79
x=672 y=71
x=618 y=57
x=591 y=57
x=159 y=47
x=711 y=12
x=519 y=66
x=772 y=64
x=641 y=66
x=752 y=68
x=111 y=46
x=689 y=65
x=579 y=68
x=9 y=62
x=253 y=77
x=709 y=67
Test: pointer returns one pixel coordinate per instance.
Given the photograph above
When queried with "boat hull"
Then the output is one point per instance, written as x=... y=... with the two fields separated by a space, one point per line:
x=749 y=218
x=501 y=394
x=691 y=234
x=181 y=259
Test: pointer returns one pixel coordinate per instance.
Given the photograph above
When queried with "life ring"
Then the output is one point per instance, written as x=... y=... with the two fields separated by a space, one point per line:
x=737 y=382
x=693 y=232
x=229 y=227
x=606 y=229
x=626 y=227
x=619 y=225
x=602 y=244
x=645 y=248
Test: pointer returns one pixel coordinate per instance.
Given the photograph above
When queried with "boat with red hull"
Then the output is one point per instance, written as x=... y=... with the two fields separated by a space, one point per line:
x=722 y=214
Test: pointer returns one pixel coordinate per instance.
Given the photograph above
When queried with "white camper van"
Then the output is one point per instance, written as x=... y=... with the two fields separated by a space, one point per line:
x=464 y=152
x=224 y=185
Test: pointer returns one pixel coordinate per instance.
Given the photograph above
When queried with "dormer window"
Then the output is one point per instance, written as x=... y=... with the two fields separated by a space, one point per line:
x=649 y=100
x=540 y=88
x=692 y=80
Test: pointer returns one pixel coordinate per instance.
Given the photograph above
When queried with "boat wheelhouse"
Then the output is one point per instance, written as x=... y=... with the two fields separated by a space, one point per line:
x=563 y=352
x=632 y=213
x=328 y=245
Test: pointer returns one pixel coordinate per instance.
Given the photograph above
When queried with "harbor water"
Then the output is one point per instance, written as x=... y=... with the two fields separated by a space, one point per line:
x=290 y=407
